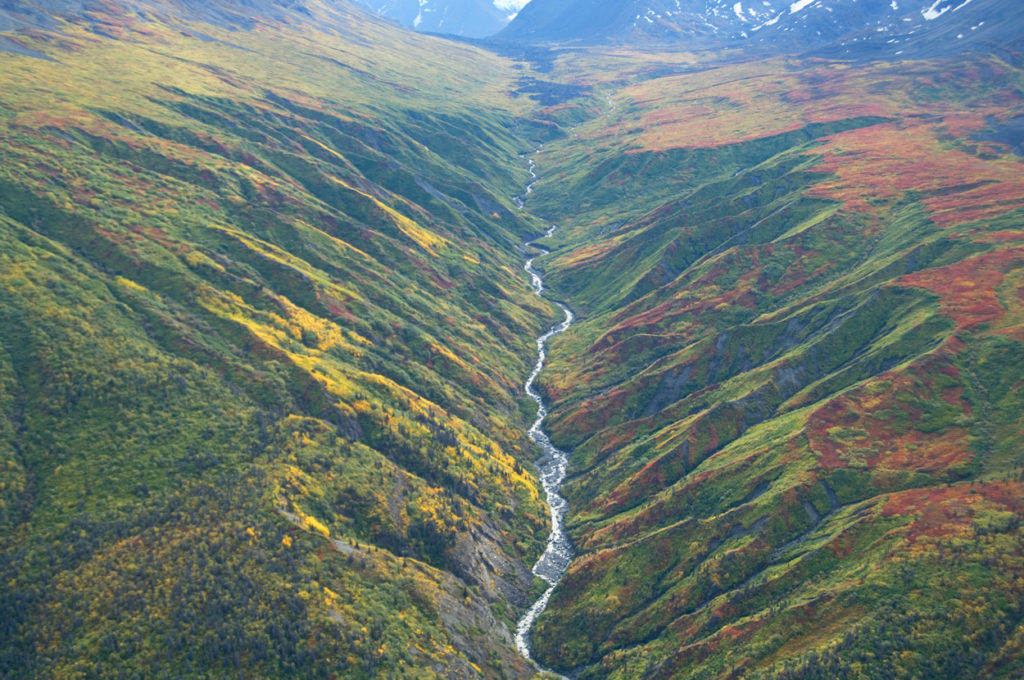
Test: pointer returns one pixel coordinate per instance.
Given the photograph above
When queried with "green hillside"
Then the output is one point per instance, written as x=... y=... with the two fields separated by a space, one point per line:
x=263 y=329
x=794 y=400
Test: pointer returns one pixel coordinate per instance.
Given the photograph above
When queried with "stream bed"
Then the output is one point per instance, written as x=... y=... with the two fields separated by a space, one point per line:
x=552 y=466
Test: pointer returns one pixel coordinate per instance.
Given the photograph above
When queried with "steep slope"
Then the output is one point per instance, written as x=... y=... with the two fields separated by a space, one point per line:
x=264 y=326
x=793 y=397
x=262 y=334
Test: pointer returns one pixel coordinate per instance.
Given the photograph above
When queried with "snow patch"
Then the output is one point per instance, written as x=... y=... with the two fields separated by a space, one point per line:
x=934 y=12
x=510 y=6
x=800 y=4
x=771 y=22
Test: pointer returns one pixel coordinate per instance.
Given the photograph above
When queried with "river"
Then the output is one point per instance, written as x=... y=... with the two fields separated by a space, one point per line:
x=552 y=465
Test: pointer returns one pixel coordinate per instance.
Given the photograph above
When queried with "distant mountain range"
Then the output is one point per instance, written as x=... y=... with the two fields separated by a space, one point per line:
x=892 y=26
x=851 y=27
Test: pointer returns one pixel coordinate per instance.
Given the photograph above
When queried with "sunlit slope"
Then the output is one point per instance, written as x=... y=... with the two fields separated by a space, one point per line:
x=794 y=398
x=262 y=331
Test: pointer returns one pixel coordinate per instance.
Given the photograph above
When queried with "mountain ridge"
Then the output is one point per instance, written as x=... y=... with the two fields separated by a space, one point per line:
x=842 y=27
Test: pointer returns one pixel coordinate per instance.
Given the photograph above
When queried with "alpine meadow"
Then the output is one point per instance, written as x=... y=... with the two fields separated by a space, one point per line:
x=636 y=340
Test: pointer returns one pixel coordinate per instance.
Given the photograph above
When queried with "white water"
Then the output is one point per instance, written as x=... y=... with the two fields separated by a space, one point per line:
x=552 y=465
x=533 y=176
x=520 y=200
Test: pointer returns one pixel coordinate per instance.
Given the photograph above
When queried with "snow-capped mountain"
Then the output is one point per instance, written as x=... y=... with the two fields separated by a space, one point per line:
x=888 y=25
x=469 y=18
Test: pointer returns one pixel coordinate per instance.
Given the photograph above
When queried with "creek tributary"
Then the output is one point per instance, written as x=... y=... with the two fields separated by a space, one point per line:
x=552 y=466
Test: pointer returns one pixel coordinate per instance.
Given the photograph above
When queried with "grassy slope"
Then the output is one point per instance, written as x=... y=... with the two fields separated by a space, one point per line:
x=794 y=398
x=262 y=328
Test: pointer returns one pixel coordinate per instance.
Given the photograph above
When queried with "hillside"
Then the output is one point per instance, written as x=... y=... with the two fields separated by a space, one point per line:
x=263 y=328
x=793 y=397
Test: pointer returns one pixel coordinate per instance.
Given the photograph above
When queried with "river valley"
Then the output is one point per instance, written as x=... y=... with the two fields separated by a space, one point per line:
x=552 y=466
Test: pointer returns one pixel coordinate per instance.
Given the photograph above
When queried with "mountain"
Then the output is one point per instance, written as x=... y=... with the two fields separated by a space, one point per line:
x=889 y=27
x=793 y=395
x=467 y=18
x=263 y=327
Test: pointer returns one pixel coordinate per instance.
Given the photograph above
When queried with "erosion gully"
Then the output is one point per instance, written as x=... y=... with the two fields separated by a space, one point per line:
x=552 y=465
